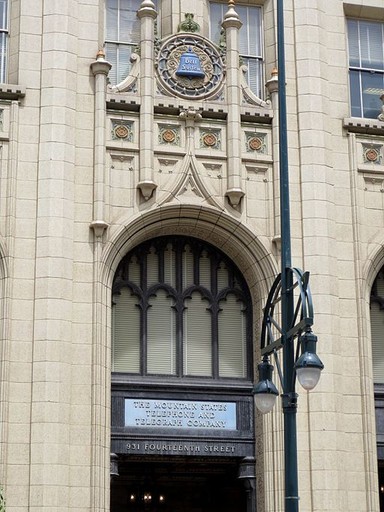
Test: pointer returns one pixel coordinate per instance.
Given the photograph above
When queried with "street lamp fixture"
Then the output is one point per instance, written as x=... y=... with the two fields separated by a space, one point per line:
x=265 y=391
x=308 y=367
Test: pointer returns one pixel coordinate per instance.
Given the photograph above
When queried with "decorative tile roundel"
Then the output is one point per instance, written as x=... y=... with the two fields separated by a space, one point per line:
x=211 y=64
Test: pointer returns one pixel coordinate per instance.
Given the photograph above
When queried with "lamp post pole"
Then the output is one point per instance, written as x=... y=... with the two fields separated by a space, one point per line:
x=288 y=314
x=287 y=303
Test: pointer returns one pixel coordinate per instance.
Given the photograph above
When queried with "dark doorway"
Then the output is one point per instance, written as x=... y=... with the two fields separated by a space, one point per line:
x=182 y=485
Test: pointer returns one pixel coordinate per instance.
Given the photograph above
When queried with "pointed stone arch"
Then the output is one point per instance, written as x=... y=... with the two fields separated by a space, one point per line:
x=246 y=248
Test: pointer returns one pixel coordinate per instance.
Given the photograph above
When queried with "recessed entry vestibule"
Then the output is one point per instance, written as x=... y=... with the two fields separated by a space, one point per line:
x=179 y=484
x=174 y=449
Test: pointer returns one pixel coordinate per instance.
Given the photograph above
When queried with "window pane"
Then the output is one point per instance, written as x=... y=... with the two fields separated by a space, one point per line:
x=3 y=14
x=161 y=340
x=125 y=333
x=353 y=43
x=254 y=75
x=232 y=338
x=112 y=20
x=222 y=277
x=152 y=268
x=169 y=266
x=205 y=270
x=129 y=23
x=217 y=14
x=244 y=31
x=3 y=57
x=197 y=345
x=371 y=43
x=254 y=26
x=111 y=56
x=123 y=61
x=354 y=85
x=373 y=88
x=377 y=333
x=187 y=267
x=377 y=328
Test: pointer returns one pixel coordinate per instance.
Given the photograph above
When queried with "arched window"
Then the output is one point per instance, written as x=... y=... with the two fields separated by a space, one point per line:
x=180 y=308
x=377 y=328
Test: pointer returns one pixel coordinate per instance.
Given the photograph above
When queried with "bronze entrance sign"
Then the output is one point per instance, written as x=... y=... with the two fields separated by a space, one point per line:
x=217 y=426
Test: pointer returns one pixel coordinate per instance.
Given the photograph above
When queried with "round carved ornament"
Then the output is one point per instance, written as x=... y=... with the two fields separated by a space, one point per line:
x=371 y=155
x=211 y=64
x=209 y=139
x=255 y=143
x=168 y=136
x=121 y=131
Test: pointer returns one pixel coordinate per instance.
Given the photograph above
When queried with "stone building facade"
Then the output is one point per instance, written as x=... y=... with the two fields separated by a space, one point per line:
x=139 y=206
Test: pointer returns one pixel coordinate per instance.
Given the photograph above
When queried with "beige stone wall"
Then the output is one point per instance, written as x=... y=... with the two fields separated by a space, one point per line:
x=64 y=169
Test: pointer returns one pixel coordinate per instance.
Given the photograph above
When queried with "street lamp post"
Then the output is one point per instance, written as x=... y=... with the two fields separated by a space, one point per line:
x=288 y=315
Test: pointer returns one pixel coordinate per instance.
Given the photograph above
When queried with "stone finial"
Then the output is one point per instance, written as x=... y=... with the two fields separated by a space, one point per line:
x=273 y=83
x=100 y=66
x=231 y=18
x=100 y=55
x=147 y=8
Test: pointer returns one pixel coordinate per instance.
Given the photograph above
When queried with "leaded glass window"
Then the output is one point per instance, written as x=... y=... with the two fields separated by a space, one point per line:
x=180 y=308
x=377 y=328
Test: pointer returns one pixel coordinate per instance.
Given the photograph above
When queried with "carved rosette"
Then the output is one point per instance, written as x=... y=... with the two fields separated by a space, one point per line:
x=255 y=142
x=168 y=60
x=210 y=139
x=122 y=130
x=372 y=153
x=169 y=135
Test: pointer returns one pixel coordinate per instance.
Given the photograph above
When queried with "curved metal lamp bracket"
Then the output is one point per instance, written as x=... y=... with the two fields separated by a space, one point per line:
x=302 y=319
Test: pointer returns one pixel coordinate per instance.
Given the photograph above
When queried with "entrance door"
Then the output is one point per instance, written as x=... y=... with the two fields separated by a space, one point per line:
x=177 y=486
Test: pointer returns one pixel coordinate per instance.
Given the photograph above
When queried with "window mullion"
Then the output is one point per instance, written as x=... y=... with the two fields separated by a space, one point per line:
x=144 y=337
x=179 y=336
x=179 y=307
x=215 y=337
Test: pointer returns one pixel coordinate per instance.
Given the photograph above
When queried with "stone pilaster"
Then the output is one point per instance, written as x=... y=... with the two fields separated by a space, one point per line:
x=147 y=15
x=232 y=25
x=100 y=69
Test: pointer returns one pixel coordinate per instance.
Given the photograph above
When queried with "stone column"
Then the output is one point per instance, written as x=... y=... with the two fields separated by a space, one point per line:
x=232 y=25
x=272 y=87
x=100 y=69
x=50 y=438
x=147 y=15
